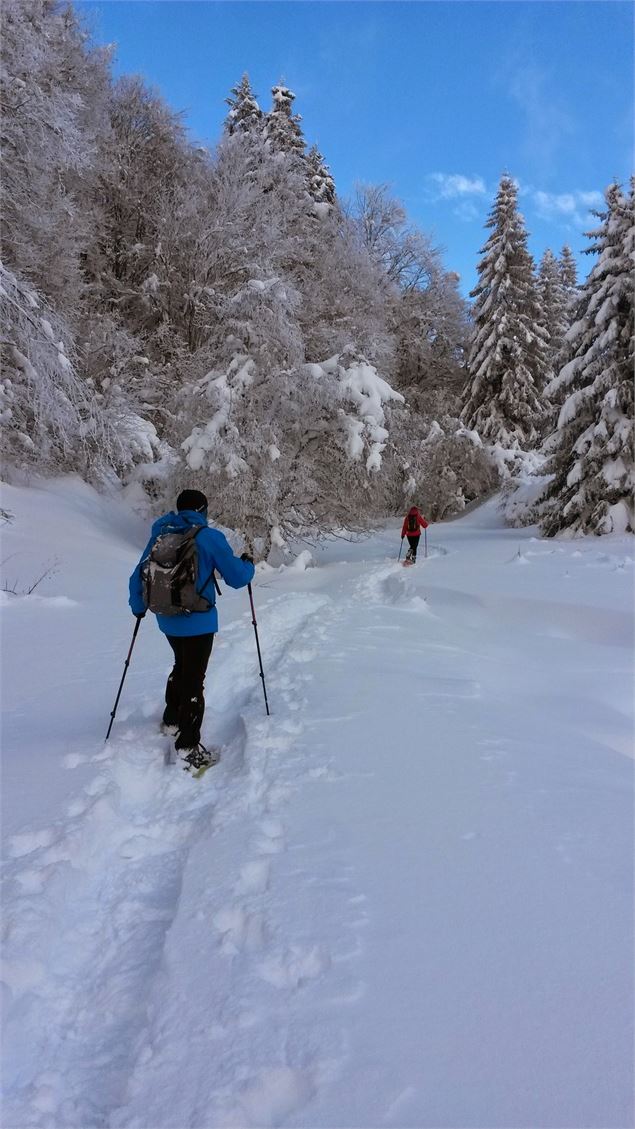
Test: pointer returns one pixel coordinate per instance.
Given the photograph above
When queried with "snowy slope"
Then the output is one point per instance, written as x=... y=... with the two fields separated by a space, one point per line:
x=404 y=900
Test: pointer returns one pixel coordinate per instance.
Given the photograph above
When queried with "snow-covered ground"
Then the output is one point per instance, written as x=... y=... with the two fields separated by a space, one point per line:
x=404 y=900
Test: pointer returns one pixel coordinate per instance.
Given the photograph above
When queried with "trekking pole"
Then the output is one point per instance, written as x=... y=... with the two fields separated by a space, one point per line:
x=425 y=542
x=262 y=673
x=400 y=548
x=125 y=671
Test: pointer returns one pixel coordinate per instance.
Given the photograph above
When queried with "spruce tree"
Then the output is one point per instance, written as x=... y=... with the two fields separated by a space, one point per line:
x=568 y=270
x=592 y=461
x=283 y=129
x=320 y=183
x=553 y=309
x=560 y=355
x=507 y=360
x=244 y=112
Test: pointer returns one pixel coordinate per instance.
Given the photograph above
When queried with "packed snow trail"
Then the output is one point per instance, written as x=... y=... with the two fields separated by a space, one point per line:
x=405 y=899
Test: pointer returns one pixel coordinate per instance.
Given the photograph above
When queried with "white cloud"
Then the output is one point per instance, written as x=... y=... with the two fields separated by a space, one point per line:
x=572 y=206
x=449 y=186
x=591 y=199
x=465 y=196
x=555 y=203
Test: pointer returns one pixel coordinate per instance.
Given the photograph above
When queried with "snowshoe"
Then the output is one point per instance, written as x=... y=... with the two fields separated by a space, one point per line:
x=197 y=761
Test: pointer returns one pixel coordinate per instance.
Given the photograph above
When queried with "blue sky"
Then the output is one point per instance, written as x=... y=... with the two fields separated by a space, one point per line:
x=436 y=98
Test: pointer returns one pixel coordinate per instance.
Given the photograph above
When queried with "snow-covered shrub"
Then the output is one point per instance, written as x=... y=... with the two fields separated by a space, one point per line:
x=51 y=418
x=520 y=493
x=46 y=414
x=456 y=470
x=54 y=92
x=289 y=451
x=438 y=464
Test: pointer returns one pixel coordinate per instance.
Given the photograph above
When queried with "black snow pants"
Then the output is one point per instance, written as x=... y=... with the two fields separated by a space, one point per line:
x=184 y=701
x=413 y=541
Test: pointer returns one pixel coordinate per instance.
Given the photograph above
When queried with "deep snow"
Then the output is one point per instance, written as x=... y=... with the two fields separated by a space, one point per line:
x=404 y=900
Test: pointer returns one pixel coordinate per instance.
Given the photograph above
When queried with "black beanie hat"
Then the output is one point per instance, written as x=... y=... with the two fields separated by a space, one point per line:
x=192 y=500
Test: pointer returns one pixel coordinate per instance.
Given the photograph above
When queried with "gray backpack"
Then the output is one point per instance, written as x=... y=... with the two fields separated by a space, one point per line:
x=169 y=575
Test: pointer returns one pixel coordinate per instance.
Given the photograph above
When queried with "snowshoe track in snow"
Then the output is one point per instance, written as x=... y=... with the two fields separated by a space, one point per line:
x=93 y=900
x=264 y=972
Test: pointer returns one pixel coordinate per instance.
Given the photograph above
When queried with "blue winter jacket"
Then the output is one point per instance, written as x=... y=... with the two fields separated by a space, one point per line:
x=214 y=552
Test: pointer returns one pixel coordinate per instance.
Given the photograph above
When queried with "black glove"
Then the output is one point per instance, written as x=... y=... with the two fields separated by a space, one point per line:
x=246 y=557
x=139 y=615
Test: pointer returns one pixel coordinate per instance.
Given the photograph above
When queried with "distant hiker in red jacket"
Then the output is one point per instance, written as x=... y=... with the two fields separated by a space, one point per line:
x=414 y=522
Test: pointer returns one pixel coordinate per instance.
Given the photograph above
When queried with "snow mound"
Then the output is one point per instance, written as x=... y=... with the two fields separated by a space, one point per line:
x=391 y=585
x=303 y=561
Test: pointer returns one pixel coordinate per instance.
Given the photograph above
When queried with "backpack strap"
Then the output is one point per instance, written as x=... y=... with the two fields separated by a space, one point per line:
x=212 y=575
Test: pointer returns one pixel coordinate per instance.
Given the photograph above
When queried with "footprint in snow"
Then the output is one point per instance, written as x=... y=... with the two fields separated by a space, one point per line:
x=30 y=841
x=273 y=840
x=97 y=787
x=270 y=1098
x=73 y=760
x=76 y=808
x=295 y=967
x=239 y=929
x=292 y=727
x=254 y=877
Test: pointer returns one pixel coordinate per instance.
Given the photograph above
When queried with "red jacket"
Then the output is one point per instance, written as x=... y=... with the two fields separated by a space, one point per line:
x=414 y=512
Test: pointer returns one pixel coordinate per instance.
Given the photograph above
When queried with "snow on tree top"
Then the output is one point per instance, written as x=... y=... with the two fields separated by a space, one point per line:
x=282 y=94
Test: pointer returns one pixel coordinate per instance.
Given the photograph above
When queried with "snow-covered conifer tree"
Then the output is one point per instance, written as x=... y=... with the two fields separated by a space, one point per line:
x=562 y=298
x=507 y=359
x=568 y=270
x=593 y=457
x=321 y=186
x=553 y=310
x=571 y=292
x=244 y=112
x=283 y=129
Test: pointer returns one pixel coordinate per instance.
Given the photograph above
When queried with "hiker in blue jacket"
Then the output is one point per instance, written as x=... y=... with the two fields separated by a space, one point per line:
x=190 y=633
